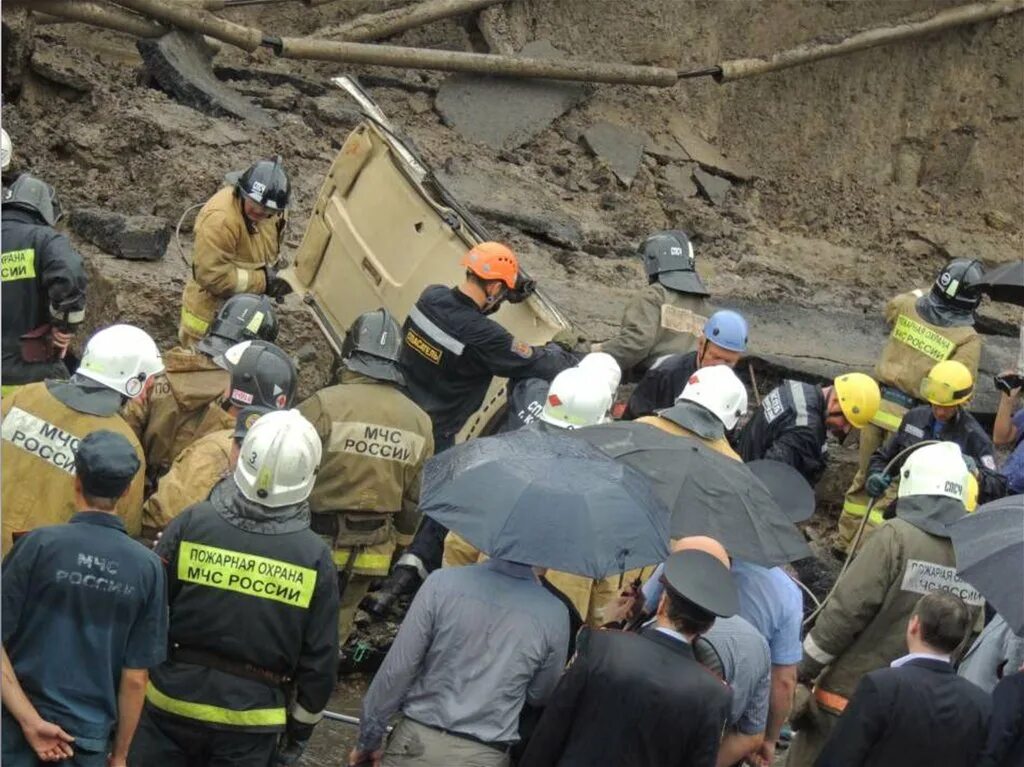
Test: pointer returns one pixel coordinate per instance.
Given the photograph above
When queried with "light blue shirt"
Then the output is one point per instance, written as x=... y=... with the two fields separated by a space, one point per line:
x=915 y=655
x=768 y=599
x=476 y=643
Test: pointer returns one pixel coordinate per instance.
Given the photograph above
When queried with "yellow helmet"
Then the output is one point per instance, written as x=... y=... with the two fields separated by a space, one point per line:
x=948 y=383
x=858 y=396
x=971 y=493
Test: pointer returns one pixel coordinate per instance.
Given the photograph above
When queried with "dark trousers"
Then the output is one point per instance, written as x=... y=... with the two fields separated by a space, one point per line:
x=168 y=741
x=16 y=752
x=428 y=543
x=17 y=372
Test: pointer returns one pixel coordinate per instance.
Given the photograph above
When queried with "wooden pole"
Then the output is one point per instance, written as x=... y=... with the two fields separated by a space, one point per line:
x=477 y=63
x=375 y=26
x=737 y=69
x=198 y=20
x=99 y=16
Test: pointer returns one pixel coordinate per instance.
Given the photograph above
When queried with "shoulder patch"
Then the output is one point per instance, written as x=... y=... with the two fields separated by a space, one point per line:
x=772 y=406
x=681 y=320
x=522 y=349
x=988 y=462
x=914 y=431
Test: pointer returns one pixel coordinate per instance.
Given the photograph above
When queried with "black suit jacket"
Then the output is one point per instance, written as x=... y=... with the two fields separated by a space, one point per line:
x=918 y=715
x=631 y=700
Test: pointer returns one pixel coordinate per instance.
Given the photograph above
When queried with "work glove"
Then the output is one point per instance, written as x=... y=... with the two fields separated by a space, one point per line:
x=569 y=339
x=293 y=743
x=809 y=670
x=276 y=287
x=877 y=484
x=1008 y=383
x=525 y=287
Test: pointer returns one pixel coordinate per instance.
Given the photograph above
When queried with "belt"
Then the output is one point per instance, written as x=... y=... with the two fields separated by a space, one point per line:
x=503 y=748
x=200 y=657
x=327 y=523
x=833 y=701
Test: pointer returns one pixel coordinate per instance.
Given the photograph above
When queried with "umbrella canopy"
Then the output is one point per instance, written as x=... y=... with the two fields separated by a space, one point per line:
x=793 y=494
x=989 y=548
x=544 y=499
x=1005 y=283
x=707 y=493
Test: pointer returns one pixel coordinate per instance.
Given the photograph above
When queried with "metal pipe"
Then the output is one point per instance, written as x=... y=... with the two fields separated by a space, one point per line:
x=375 y=26
x=477 y=63
x=99 y=16
x=737 y=69
x=196 y=19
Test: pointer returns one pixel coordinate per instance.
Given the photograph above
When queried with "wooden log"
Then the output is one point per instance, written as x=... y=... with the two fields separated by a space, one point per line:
x=375 y=26
x=99 y=16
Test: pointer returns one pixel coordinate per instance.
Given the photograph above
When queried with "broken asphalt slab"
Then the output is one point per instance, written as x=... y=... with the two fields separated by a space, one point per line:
x=505 y=113
x=679 y=178
x=703 y=153
x=135 y=238
x=180 y=64
x=618 y=147
x=715 y=188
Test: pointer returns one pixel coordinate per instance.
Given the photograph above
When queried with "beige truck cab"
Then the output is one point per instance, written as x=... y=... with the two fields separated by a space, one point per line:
x=382 y=229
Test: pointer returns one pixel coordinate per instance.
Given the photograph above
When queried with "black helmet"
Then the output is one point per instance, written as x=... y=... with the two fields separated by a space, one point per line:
x=265 y=182
x=244 y=317
x=372 y=347
x=668 y=258
x=957 y=284
x=37 y=197
x=262 y=375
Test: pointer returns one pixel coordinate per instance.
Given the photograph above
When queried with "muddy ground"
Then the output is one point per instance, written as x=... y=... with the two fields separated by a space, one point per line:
x=864 y=174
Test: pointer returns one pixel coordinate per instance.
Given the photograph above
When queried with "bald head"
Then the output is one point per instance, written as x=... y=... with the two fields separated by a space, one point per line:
x=705 y=544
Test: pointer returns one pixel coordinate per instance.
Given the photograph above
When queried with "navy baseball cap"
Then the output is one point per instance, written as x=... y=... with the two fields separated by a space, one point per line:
x=106 y=463
x=702 y=579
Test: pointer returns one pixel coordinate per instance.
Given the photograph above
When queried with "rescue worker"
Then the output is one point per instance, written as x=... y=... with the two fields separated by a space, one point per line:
x=861 y=627
x=262 y=378
x=526 y=397
x=709 y=406
x=237 y=242
x=451 y=351
x=187 y=401
x=667 y=316
x=795 y=419
x=576 y=399
x=253 y=614
x=376 y=441
x=723 y=341
x=43 y=423
x=926 y=329
x=44 y=283
x=947 y=388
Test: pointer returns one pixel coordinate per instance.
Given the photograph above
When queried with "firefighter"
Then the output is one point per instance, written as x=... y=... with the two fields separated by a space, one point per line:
x=723 y=341
x=187 y=401
x=667 y=316
x=263 y=377
x=709 y=406
x=795 y=419
x=253 y=614
x=527 y=396
x=947 y=388
x=237 y=242
x=44 y=283
x=376 y=441
x=926 y=329
x=862 y=626
x=43 y=423
x=451 y=351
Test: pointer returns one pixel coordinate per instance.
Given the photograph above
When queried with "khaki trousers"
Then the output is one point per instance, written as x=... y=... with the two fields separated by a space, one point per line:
x=811 y=737
x=413 y=745
x=355 y=590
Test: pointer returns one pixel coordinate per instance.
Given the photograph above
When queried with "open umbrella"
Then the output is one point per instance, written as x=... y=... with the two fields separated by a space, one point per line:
x=1005 y=283
x=989 y=548
x=793 y=494
x=707 y=493
x=547 y=500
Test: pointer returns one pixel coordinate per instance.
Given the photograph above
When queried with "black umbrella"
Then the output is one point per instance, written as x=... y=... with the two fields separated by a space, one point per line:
x=791 y=491
x=707 y=493
x=1005 y=283
x=989 y=548
x=547 y=500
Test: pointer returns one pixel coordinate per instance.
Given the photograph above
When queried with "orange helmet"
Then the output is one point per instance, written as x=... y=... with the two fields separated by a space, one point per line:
x=493 y=261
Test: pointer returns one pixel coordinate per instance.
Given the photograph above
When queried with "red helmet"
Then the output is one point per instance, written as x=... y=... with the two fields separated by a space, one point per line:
x=493 y=261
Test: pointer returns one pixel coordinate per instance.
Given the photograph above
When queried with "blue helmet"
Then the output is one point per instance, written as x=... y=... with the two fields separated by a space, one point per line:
x=727 y=329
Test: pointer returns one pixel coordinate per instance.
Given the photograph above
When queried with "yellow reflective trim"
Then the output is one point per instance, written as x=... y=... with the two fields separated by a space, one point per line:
x=194 y=323
x=887 y=421
x=246 y=574
x=922 y=338
x=241 y=280
x=854 y=509
x=255 y=323
x=365 y=561
x=8 y=389
x=204 y=712
x=18 y=265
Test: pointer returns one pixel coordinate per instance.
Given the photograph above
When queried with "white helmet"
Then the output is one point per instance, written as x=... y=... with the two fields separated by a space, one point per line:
x=935 y=470
x=718 y=389
x=121 y=357
x=575 y=399
x=603 y=364
x=6 y=149
x=279 y=459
